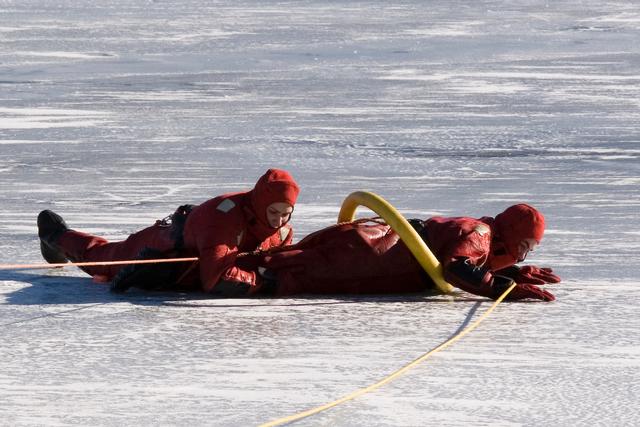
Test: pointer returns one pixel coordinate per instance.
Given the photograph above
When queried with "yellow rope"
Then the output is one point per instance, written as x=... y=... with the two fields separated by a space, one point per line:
x=392 y=376
x=92 y=264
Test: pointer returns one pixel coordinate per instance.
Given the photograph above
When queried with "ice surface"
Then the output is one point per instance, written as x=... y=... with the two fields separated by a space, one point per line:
x=114 y=113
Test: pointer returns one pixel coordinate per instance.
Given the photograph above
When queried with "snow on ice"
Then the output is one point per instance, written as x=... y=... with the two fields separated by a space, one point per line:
x=114 y=113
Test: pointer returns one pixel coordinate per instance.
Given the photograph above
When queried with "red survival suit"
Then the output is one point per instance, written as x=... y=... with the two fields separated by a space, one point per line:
x=215 y=231
x=367 y=257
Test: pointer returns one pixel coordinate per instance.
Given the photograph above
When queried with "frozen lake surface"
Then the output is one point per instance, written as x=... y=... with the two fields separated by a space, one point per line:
x=114 y=114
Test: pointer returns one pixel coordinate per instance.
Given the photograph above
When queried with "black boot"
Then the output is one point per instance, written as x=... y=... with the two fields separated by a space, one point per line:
x=50 y=227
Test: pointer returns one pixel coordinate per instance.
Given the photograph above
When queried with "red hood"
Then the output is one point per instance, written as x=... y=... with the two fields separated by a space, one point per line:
x=275 y=186
x=516 y=223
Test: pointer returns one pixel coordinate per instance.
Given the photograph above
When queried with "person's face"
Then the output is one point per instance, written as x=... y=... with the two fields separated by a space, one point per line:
x=526 y=246
x=278 y=214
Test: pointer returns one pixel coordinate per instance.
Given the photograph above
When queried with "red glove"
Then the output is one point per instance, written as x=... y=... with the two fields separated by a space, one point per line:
x=521 y=291
x=524 y=291
x=530 y=274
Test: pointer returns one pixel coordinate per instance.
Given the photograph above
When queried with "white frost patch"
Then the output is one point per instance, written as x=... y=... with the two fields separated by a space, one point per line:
x=606 y=285
x=308 y=210
x=551 y=76
x=171 y=95
x=42 y=118
x=483 y=86
x=419 y=75
x=594 y=150
x=565 y=233
x=66 y=55
x=35 y=141
x=413 y=74
x=624 y=17
x=37 y=124
x=50 y=111
x=204 y=35
x=624 y=181
x=444 y=31
x=176 y=95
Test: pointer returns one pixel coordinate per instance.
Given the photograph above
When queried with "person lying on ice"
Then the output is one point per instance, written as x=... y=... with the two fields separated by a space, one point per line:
x=215 y=232
x=367 y=257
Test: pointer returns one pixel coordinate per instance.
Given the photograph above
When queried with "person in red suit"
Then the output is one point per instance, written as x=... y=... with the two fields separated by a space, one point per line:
x=367 y=257
x=215 y=231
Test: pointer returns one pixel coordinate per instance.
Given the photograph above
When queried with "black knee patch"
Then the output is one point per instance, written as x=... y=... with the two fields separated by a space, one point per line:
x=154 y=277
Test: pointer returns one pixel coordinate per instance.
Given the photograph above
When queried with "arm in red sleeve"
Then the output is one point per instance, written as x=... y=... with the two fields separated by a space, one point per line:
x=217 y=243
x=219 y=270
x=219 y=274
x=216 y=231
